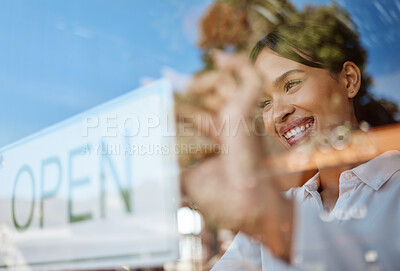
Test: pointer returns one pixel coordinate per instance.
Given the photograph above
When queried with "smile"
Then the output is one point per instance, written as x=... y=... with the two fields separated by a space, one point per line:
x=297 y=130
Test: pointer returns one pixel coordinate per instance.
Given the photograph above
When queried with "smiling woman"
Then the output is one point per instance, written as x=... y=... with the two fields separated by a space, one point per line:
x=310 y=72
x=303 y=99
x=327 y=45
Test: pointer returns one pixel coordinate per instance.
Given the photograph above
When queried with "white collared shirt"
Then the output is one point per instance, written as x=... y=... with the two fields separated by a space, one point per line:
x=362 y=232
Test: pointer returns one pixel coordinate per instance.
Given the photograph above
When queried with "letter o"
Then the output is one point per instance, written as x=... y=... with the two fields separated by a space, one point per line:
x=23 y=227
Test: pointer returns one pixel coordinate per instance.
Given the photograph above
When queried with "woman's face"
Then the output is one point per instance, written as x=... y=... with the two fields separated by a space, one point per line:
x=301 y=103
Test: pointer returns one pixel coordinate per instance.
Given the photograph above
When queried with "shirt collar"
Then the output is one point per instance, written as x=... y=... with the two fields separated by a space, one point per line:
x=312 y=184
x=378 y=171
x=374 y=173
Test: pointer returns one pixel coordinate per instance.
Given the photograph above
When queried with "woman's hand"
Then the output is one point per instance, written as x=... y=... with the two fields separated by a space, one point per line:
x=231 y=188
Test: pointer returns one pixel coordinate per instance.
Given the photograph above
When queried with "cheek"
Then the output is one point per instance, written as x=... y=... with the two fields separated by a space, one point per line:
x=324 y=97
x=338 y=102
x=318 y=100
x=310 y=96
x=330 y=106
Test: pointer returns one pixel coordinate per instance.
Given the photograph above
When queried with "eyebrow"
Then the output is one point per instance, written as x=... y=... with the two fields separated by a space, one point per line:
x=286 y=74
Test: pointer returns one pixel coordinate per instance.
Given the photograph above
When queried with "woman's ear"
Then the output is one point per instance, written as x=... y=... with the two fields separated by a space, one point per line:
x=352 y=78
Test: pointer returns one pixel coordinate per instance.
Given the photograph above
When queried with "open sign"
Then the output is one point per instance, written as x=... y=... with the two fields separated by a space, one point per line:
x=71 y=199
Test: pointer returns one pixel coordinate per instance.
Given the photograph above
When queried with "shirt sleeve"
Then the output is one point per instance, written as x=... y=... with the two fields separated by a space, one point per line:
x=243 y=254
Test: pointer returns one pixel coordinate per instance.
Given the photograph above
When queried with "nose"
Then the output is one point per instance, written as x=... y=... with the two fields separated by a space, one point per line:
x=282 y=110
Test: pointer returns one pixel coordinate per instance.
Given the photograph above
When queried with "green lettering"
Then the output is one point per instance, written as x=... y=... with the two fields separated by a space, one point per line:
x=47 y=194
x=125 y=192
x=75 y=183
x=18 y=226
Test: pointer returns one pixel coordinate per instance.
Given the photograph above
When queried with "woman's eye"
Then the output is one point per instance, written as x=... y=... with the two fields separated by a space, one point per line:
x=265 y=103
x=291 y=84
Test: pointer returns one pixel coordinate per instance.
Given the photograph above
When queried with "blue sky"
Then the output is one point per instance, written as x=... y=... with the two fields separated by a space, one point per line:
x=59 y=58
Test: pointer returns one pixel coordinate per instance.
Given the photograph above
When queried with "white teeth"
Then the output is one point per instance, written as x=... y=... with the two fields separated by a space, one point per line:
x=296 y=130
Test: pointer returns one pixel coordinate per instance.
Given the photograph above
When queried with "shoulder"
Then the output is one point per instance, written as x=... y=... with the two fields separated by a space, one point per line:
x=243 y=252
x=381 y=172
x=295 y=193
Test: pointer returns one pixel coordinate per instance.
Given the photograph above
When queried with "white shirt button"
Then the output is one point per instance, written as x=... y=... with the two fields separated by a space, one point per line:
x=348 y=175
x=346 y=195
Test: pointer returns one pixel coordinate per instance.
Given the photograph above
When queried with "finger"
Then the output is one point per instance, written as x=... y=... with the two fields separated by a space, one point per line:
x=204 y=82
x=245 y=148
x=241 y=67
x=202 y=120
x=213 y=89
x=206 y=186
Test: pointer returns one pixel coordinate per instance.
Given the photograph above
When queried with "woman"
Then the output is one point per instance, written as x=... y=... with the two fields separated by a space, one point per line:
x=310 y=75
